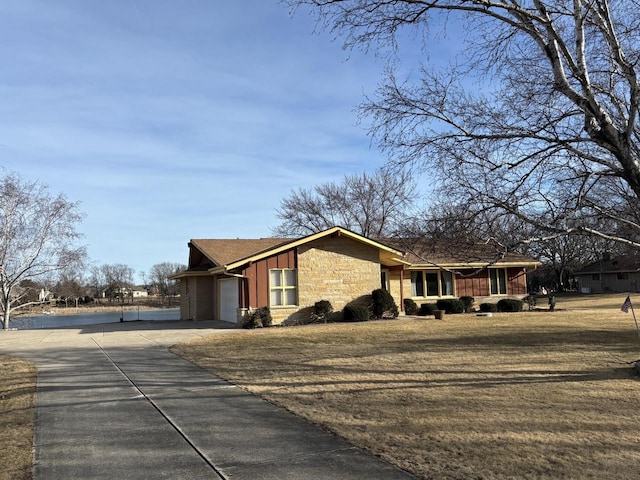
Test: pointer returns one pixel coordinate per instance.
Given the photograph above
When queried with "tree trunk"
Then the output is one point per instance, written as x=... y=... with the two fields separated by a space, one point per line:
x=5 y=319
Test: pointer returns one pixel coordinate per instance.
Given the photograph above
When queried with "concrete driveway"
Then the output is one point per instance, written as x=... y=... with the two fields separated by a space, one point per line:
x=114 y=403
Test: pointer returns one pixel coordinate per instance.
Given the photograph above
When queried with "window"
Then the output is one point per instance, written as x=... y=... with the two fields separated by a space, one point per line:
x=595 y=276
x=282 y=287
x=446 y=280
x=384 y=279
x=623 y=275
x=498 y=281
x=432 y=284
x=417 y=284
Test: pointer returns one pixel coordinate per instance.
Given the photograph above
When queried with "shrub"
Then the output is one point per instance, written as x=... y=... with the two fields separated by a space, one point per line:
x=427 y=309
x=531 y=301
x=450 y=305
x=322 y=310
x=467 y=302
x=488 y=307
x=410 y=307
x=259 y=318
x=510 y=305
x=355 y=313
x=383 y=304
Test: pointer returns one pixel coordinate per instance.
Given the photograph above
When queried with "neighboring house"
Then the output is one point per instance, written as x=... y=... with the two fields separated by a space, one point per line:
x=45 y=295
x=137 y=292
x=227 y=278
x=619 y=274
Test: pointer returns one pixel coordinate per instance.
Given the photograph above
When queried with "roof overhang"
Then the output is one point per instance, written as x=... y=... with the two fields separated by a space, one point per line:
x=476 y=265
x=190 y=273
x=388 y=256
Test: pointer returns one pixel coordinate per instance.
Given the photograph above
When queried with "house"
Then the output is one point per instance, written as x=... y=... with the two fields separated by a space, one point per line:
x=45 y=296
x=618 y=274
x=226 y=278
x=137 y=292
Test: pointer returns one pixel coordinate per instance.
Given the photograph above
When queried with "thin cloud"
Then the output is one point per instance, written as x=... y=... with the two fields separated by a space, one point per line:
x=173 y=120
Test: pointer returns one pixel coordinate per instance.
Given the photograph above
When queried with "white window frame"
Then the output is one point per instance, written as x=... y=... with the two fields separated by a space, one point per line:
x=283 y=288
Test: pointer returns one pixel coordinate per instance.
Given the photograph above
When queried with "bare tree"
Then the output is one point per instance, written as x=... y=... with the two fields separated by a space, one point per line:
x=70 y=286
x=366 y=204
x=548 y=132
x=37 y=237
x=161 y=274
x=97 y=281
x=118 y=281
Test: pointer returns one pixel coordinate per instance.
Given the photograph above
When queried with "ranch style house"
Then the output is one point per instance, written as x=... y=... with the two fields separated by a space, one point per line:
x=227 y=278
x=617 y=274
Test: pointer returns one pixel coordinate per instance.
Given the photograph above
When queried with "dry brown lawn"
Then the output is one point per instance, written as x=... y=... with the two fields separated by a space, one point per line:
x=527 y=395
x=17 y=397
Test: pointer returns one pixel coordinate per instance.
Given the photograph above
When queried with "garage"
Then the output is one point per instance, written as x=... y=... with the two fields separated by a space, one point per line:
x=229 y=299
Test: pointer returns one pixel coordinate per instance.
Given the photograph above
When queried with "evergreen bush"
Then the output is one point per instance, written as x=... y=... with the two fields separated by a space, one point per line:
x=467 y=302
x=322 y=310
x=384 y=306
x=259 y=318
x=488 y=307
x=450 y=305
x=510 y=305
x=410 y=307
x=427 y=309
x=355 y=313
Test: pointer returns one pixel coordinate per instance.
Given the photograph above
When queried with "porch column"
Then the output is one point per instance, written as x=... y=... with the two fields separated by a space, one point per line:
x=402 y=289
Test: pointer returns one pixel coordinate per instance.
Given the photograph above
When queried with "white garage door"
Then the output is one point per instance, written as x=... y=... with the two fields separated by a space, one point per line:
x=228 y=299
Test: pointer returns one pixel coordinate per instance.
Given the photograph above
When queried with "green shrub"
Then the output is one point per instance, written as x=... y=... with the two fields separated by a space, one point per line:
x=355 y=313
x=384 y=306
x=259 y=318
x=510 y=305
x=410 y=307
x=427 y=309
x=322 y=310
x=450 y=305
x=488 y=307
x=467 y=302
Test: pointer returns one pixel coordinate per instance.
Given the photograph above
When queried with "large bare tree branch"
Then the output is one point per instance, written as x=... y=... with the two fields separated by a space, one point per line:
x=552 y=117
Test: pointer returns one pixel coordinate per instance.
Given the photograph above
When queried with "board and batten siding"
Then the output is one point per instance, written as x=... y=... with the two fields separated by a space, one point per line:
x=473 y=285
x=255 y=291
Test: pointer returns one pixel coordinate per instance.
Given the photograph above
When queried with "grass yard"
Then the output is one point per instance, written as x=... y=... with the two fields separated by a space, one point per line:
x=17 y=397
x=526 y=395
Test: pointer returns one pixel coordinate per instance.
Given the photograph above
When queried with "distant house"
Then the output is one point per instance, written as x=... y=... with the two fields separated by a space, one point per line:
x=44 y=296
x=139 y=292
x=226 y=278
x=618 y=274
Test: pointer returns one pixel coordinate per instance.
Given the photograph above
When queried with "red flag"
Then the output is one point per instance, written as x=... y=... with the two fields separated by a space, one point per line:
x=626 y=305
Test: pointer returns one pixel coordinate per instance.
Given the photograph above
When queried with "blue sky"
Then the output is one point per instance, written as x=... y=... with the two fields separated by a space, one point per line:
x=176 y=120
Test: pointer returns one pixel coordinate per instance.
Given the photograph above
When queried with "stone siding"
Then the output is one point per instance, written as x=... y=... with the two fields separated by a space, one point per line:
x=336 y=269
x=394 y=287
